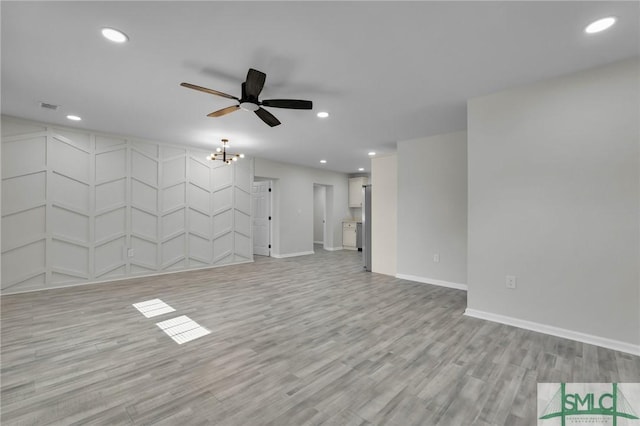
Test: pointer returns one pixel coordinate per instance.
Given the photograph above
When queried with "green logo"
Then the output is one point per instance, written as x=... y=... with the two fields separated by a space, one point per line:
x=597 y=403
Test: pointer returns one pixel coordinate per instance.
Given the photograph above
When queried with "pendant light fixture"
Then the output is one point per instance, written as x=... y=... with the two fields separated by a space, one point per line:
x=222 y=154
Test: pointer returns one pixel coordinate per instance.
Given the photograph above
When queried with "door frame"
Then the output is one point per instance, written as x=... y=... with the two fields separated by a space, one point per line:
x=324 y=213
x=270 y=226
x=328 y=225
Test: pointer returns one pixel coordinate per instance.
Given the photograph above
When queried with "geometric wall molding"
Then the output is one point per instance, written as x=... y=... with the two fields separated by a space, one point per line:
x=81 y=207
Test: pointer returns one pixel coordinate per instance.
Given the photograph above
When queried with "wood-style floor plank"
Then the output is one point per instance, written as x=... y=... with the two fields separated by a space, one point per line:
x=312 y=340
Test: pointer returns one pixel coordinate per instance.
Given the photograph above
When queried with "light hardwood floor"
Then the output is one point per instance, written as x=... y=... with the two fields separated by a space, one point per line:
x=307 y=340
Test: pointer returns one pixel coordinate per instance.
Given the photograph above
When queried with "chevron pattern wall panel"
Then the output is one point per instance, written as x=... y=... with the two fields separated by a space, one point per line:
x=80 y=207
x=110 y=208
x=24 y=205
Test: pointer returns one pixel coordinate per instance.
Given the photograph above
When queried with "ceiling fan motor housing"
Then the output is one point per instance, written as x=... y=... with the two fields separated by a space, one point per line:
x=249 y=106
x=248 y=103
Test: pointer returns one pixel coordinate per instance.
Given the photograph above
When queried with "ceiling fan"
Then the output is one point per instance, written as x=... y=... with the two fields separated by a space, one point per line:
x=249 y=100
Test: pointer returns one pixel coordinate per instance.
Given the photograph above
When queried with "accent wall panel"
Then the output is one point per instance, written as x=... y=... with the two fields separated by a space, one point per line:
x=80 y=207
x=143 y=251
x=199 y=220
x=110 y=208
x=24 y=201
x=243 y=243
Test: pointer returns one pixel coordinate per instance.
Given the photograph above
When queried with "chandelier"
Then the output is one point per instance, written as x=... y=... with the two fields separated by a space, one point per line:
x=222 y=154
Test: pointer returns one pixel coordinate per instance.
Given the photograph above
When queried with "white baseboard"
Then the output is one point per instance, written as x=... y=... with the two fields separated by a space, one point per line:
x=334 y=248
x=432 y=281
x=282 y=256
x=616 y=345
x=129 y=277
x=318 y=242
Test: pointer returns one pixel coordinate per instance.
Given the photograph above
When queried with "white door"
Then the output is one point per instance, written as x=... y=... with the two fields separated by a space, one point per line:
x=261 y=201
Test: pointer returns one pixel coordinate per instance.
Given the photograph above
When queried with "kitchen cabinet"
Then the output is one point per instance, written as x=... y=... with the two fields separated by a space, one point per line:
x=349 y=236
x=355 y=191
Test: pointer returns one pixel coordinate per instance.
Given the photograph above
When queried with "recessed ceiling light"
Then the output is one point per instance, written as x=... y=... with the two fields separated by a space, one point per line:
x=600 y=25
x=361 y=169
x=371 y=154
x=114 y=35
x=323 y=114
x=323 y=161
x=74 y=117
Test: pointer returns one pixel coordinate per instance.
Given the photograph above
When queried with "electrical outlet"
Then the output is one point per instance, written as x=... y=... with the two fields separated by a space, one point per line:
x=130 y=252
x=436 y=258
x=511 y=281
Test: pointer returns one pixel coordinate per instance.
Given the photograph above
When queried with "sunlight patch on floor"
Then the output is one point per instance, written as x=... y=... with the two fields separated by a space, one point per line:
x=182 y=329
x=153 y=308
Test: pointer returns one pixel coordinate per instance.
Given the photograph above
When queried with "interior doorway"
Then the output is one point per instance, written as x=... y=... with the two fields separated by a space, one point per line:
x=319 y=214
x=261 y=202
x=323 y=220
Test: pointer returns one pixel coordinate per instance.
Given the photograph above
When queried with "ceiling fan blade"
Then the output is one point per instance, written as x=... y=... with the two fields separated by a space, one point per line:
x=211 y=91
x=288 y=103
x=267 y=117
x=255 y=82
x=224 y=111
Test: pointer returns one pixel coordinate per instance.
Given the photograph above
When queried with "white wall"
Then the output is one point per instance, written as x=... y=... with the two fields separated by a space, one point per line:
x=384 y=219
x=554 y=200
x=74 y=201
x=432 y=209
x=319 y=195
x=293 y=205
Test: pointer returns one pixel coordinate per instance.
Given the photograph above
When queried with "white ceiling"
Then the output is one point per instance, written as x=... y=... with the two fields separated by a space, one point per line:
x=385 y=71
